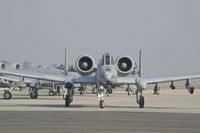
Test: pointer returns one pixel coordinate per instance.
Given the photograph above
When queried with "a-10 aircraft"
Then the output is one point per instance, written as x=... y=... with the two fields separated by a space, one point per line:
x=7 y=82
x=108 y=73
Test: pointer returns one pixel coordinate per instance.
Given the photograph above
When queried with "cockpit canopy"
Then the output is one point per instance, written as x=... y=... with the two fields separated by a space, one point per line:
x=107 y=59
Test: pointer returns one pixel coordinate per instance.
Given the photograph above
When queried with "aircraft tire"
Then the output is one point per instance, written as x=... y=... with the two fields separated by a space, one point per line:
x=110 y=91
x=67 y=101
x=51 y=93
x=34 y=95
x=101 y=104
x=141 y=102
x=7 y=95
x=173 y=87
x=192 y=90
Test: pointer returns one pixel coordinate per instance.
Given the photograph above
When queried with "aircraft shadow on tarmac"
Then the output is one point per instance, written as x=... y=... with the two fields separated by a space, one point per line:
x=28 y=98
x=96 y=106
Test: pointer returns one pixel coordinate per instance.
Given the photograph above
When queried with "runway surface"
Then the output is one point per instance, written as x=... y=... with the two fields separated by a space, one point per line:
x=97 y=122
x=170 y=112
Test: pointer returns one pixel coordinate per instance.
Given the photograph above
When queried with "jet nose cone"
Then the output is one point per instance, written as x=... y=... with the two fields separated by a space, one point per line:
x=108 y=76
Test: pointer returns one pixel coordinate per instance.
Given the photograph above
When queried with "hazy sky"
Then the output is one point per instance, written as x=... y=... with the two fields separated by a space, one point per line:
x=167 y=31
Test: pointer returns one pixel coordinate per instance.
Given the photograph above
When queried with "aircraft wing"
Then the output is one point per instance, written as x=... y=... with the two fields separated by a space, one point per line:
x=169 y=79
x=38 y=76
x=133 y=80
x=3 y=79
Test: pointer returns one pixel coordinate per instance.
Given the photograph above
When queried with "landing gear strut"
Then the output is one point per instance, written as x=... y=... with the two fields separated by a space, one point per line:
x=33 y=91
x=53 y=92
x=100 y=90
x=172 y=86
x=81 y=89
x=129 y=90
x=156 y=89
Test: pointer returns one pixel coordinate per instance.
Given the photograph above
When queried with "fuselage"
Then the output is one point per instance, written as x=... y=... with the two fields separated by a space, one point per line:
x=106 y=70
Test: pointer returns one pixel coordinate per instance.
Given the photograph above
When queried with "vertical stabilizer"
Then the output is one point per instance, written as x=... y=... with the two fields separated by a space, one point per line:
x=140 y=64
x=65 y=65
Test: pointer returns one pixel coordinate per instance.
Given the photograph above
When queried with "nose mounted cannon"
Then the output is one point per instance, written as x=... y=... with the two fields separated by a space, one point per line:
x=125 y=65
x=85 y=65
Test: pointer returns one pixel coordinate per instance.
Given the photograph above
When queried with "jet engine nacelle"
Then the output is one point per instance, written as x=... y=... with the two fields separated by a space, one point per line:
x=9 y=66
x=85 y=65
x=15 y=66
x=125 y=65
x=3 y=66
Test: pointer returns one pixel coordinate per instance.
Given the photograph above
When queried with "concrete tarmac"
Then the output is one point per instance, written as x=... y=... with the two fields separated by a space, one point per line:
x=173 y=111
x=97 y=122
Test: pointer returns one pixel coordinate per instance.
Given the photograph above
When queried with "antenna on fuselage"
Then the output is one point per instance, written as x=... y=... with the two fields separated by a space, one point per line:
x=140 y=64
x=65 y=64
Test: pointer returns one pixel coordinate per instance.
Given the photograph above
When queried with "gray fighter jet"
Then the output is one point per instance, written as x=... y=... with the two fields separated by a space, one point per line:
x=108 y=73
x=8 y=82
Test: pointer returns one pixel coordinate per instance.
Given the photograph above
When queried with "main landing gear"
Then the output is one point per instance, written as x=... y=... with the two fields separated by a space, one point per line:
x=33 y=91
x=189 y=87
x=53 y=91
x=140 y=98
x=156 y=89
x=68 y=100
x=7 y=95
x=129 y=90
x=34 y=94
x=172 y=86
x=81 y=89
x=191 y=90
x=109 y=91
x=69 y=97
